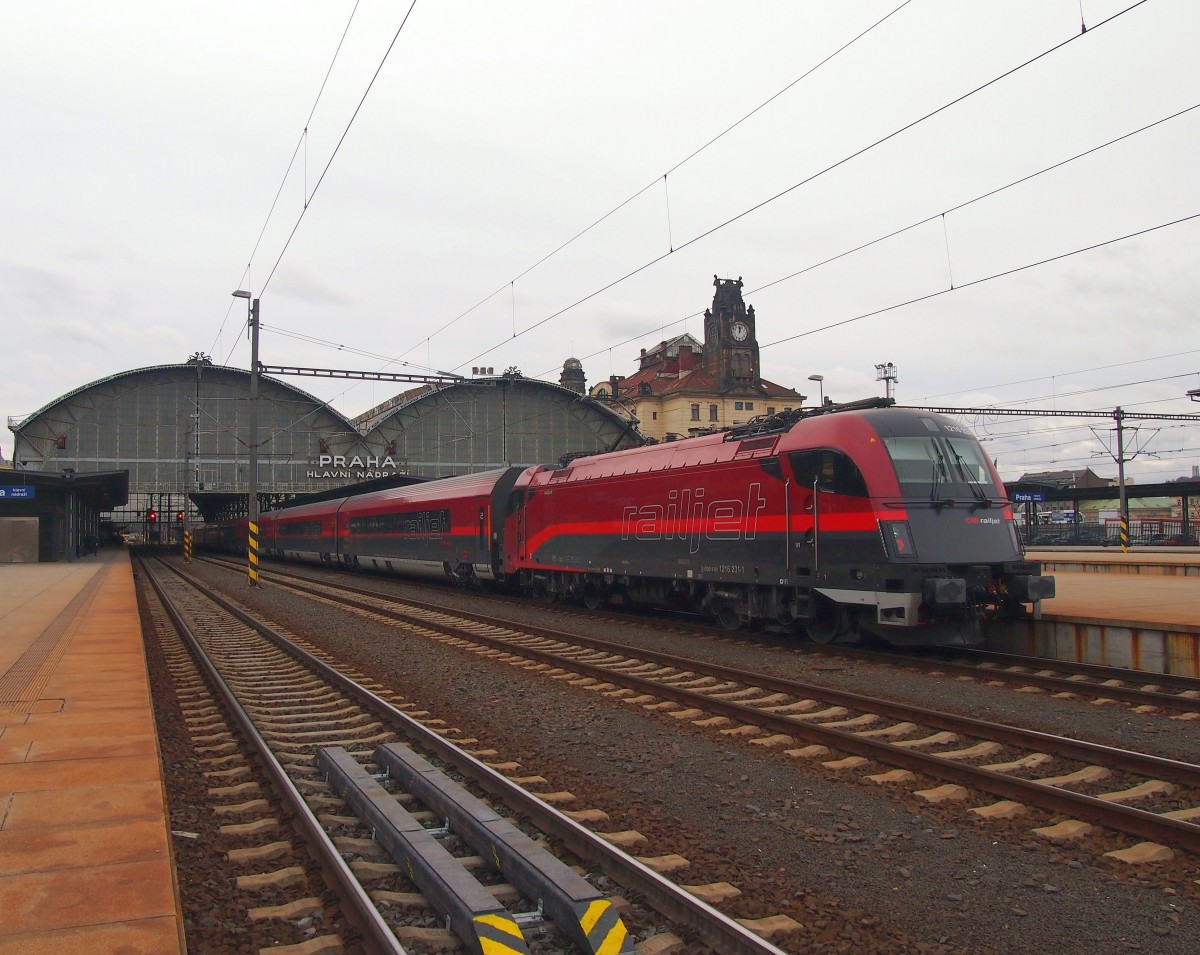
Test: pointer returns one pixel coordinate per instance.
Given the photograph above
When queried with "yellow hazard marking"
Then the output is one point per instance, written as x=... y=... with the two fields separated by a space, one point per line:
x=615 y=938
x=253 y=528
x=502 y=922
x=615 y=941
x=594 y=911
x=491 y=947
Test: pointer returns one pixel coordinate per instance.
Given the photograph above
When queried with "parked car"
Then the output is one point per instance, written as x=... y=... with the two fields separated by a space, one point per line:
x=1171 y=540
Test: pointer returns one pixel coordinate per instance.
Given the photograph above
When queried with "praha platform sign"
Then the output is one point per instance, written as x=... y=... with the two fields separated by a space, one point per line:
x=13 y=491
x=1028 y=497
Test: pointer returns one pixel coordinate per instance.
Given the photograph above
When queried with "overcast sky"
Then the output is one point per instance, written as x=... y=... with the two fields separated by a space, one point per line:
x=145 y=144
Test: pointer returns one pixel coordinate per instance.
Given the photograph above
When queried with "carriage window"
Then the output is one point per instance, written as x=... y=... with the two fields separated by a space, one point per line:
x=832 y=472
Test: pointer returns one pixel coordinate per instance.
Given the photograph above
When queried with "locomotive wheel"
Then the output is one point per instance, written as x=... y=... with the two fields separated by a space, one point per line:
x=592 y=597
x=728 y=618
x=829 y=622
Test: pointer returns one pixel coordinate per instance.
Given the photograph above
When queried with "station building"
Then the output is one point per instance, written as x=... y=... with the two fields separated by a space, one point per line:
x=684 y=387
x=162 y=447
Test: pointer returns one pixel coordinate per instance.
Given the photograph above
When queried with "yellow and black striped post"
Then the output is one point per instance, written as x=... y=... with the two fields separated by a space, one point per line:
x=187 y=546
x=1124 y=533
x=252 y=553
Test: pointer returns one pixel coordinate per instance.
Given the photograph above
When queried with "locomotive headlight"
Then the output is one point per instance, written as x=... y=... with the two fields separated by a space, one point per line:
x=897 y=537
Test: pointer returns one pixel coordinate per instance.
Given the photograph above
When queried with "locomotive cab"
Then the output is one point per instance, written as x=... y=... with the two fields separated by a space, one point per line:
x=948 y=531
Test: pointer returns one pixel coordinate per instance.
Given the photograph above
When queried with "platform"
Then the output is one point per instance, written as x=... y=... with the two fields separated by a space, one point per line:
x=1139 y=609
x=85 y=854
x=1160 y=562
x=1158 y=590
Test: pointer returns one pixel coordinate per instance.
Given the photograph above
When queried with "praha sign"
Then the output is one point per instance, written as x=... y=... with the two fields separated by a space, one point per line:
x=340 y=466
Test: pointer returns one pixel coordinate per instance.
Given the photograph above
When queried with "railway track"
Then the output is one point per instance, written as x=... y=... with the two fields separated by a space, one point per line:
x=281 y=897
x=341 y=756
x=1142 y=690
x=1079 y=782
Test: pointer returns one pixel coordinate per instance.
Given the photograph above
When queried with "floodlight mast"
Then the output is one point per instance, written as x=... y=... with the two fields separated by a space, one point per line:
x=889 y=375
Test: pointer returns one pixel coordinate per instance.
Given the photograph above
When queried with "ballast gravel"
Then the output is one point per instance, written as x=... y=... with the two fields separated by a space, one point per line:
x=863 y=868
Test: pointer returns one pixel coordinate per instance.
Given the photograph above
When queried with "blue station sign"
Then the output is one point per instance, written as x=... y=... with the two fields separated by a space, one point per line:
x=1026 y=497
x=12 y=491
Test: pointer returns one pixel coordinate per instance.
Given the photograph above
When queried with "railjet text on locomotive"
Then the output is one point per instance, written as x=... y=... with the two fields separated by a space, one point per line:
x=686 y=516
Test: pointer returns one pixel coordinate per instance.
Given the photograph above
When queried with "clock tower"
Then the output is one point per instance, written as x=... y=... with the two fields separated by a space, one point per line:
x=730 y=345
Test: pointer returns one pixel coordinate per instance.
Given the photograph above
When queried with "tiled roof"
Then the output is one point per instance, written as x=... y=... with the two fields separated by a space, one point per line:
x=696 y=381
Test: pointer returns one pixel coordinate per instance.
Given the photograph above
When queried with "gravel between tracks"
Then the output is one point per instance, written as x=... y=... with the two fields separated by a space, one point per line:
x=864 y=870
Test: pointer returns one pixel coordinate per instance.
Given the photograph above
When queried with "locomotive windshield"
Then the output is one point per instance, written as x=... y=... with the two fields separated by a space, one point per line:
x=936 y=467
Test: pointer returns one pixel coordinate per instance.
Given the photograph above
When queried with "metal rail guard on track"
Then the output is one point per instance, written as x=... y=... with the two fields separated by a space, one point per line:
x=567 y=899
x=471 y=912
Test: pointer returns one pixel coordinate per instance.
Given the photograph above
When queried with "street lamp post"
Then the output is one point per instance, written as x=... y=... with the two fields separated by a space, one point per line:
x=820 y=380
x=252 y=508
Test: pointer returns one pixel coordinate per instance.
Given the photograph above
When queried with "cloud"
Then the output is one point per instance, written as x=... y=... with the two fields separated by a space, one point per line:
x=37 y=291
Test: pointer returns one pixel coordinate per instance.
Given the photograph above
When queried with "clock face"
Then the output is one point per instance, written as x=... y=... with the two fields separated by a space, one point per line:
x=740 y=331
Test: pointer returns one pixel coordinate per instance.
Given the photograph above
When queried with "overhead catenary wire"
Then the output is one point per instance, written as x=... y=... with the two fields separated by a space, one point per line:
x=287 y=173
x=320 y=179
x=920 y=222
x=1088 y=391
x=803 y=182
x=1064 y=374
x=653 y=182
x=987 y=278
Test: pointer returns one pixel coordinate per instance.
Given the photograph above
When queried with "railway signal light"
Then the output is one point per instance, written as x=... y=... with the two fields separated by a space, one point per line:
x=152 y=515
x=179 y=516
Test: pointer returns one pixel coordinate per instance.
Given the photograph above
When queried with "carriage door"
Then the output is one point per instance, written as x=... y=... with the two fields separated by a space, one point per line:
x=516 y=507
x=804 y=514
x=826 y=480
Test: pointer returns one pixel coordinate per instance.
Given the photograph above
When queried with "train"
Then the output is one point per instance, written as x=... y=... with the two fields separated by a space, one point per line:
x=847 y=522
